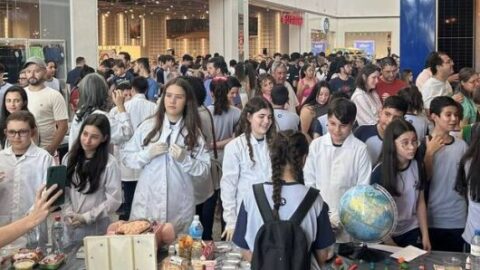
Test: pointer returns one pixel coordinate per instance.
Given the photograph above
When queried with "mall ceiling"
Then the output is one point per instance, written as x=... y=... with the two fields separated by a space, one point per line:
x=174 y=8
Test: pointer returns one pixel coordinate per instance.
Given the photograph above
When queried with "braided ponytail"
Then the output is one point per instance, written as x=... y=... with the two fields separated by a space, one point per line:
x=287 y=148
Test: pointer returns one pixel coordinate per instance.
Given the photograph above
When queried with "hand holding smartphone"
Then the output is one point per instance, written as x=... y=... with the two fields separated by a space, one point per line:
x=57 y=175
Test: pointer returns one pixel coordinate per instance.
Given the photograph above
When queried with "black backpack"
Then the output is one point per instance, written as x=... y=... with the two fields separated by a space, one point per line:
x=282 y=244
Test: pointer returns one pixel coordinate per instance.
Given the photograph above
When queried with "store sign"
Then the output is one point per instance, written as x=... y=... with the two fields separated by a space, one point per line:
x=318 y=47
x=366 y=45
x=291 y=18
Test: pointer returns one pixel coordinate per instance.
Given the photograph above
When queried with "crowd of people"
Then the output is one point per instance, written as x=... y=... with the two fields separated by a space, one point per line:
x=178 y=139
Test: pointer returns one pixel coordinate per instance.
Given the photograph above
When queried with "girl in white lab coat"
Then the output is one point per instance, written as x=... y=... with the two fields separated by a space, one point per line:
x=94 y=191
x=170 y=150
x=401 y=173
x=23 y=169
x=246 y=159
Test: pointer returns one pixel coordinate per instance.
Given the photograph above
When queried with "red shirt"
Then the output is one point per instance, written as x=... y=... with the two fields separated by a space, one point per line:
x=389 y=88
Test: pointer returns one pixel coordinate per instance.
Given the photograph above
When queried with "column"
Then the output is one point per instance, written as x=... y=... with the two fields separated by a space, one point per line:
x=223 y=33
x=84 y=31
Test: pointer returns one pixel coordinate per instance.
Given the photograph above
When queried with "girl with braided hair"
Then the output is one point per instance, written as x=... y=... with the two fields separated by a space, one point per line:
x=285 y=192
x=246 y=159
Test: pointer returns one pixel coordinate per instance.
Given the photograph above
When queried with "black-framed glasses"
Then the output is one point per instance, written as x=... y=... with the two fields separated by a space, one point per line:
x=11 y=133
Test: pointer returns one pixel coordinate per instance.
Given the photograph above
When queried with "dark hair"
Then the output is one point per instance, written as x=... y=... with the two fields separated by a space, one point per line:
x=287 y=148
x=198 y=88
x=5 y=113
x=240 y=71
x=279 y=95
x=438 y=103
x=51 y=61
x=232 y=63
x=277 y=54
x=389 y=158
x=397 y=103
x=143 y=61
x=85 y=175
x=413 y=97
x=233 y=82
x=303 y=70
x=295 y=56
x=83 y=73
x=406 y=72
x=343 y=109
x=254 y=105
x=366 y=71
x=464 y=76
x=219 y=90
x=187 y=57
x=434 y=61
x=140 y=84
x=79 y=60
x=191 y=117
x=106 y=63
x=311 y=100
x=24 y=116
x=119 y=63
x=470 y=182
x=388 y=61
x=219 y=62
x=126 y=56
x=93 y=91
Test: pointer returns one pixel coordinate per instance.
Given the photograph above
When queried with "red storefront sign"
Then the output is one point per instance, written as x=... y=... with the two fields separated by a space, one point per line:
x=291 y=18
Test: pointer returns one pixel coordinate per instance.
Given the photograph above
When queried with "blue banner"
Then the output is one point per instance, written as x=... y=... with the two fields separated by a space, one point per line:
x=368 y=46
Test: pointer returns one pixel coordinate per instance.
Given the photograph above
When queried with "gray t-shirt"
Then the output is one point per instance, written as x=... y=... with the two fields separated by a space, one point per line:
x=420 y=123
x=224 y=125
x=369 y=135
x=446 y=207
x=286 y=120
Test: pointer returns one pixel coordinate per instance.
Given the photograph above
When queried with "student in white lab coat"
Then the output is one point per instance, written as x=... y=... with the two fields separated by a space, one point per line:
x=23 y=168
x=171 y=152
x=94 y=191
x=246 y=159
x=337 y=161
x=94 y=99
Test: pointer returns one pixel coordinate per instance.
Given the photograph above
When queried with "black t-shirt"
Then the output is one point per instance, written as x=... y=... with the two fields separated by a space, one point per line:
x=293 y=73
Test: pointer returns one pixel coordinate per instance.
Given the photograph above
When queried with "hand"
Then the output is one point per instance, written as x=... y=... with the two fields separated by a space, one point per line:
x=453 y=78
x=177 y=152
x=228 y=234
x=426 y=244
x=434 y=144
x=119 y=99
x=76 y=220
x=157 y=149
x=458 y=97
x=42 y=206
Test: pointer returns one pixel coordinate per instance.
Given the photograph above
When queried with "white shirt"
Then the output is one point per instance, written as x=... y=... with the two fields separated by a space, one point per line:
x=120 y=127
x=48 y=106
x=292 y=98
x=335 y=169
x=139 y=109
x=98 y=206
x=165 y=190
x=240 y=173
x=435 y=88
x=368 y=105
x=54 y=83
x=22 y=177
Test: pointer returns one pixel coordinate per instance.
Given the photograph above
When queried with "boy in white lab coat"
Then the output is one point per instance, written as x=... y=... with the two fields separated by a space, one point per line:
x=337 y=161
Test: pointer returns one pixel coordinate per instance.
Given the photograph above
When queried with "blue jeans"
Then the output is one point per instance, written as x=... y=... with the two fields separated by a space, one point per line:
x=206 y=211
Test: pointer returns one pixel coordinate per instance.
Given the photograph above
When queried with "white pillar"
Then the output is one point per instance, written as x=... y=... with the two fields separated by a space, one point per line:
x=84 y=31
x=223 y=33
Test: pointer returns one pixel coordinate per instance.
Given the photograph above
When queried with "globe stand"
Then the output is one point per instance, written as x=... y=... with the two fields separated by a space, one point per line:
x=368 y=255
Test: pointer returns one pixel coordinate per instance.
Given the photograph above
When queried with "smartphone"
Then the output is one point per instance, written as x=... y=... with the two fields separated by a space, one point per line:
x=57 y=175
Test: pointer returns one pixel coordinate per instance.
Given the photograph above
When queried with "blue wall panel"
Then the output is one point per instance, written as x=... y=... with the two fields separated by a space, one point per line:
x=417 y=33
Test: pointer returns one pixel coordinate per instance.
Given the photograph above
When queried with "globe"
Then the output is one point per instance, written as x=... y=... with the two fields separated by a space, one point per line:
x=368 y=213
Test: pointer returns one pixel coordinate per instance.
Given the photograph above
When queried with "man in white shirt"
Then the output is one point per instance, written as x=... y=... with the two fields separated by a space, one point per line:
x=47 y=105
x=279 y=73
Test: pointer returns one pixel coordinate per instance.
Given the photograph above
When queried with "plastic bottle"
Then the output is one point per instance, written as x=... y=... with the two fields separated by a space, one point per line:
x=57 y=235
x=475 y=251
x=196 y=228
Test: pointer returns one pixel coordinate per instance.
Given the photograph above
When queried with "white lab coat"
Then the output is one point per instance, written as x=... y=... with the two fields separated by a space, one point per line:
x=96 y=207
x=139 y=109
x=333 y=170
x=240 y=173
x=165 y=187
x=23 y=176
x=120 y=128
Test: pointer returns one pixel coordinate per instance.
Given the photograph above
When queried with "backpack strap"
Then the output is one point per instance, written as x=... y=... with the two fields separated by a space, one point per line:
x=304 y=206
x=262 y=203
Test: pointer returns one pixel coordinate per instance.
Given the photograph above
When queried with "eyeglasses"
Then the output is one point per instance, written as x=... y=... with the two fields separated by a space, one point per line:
x=13 y=133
